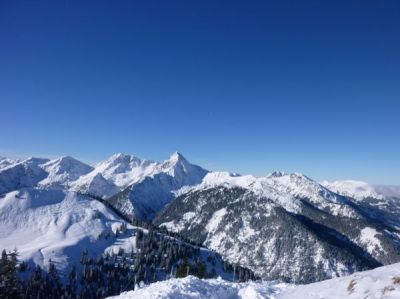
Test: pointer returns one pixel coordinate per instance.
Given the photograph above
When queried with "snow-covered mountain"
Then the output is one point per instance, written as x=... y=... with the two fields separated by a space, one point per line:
x=46 y=208
x=95 y=185
x=380 y=201
x=143 y=199
x=282 y=226
x=4 y=162
x=141 y=187
x=41 y=173
x=26 y=173
x=63 y=171
x=356 y=189
x=121 y=170
x=383 y=283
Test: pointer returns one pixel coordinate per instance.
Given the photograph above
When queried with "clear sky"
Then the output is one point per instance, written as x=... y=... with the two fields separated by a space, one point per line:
x=243 y=86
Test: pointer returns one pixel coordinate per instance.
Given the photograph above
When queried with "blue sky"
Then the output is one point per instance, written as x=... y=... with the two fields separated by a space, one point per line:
x=244 y=86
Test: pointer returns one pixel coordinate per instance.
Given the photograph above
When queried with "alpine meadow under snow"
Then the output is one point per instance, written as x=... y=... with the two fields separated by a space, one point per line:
x=144 y=221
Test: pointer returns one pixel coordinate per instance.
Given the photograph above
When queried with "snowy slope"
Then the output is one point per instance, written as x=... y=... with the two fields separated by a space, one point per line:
x=56 y=225
x=94 y=185
x=382 y=283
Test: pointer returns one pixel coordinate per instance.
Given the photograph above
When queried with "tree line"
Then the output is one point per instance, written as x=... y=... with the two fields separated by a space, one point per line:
x=156 y=257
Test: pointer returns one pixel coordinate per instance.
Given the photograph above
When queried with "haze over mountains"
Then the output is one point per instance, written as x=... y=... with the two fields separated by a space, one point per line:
x=281 y=226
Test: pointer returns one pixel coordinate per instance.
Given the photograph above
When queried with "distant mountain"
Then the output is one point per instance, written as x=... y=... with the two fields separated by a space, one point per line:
x=143 y=199
x=138 y=187
x=4 y=162
x=22 y=174
x=122 y=170
x=41 y=173
x=356 y=189
x=379 y=201
x=63 y=171
x=283 y=226
x=360 y=190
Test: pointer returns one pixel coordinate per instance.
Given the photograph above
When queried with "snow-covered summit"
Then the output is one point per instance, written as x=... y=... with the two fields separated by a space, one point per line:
x=63 y=170
x=178 y=167
x=145 y=197
x=123 y=169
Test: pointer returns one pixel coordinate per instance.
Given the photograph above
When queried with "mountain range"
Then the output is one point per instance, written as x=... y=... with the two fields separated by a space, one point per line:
x=281 y=226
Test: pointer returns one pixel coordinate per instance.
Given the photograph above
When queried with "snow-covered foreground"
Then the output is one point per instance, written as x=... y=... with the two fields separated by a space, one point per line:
x=383 y=282
x=192 y=287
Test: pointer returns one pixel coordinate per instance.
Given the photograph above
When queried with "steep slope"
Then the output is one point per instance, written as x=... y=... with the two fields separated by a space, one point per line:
x=383 y=282
x=26 y=173
x=142 y=200
x=282 y=226
x=95 y=185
